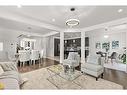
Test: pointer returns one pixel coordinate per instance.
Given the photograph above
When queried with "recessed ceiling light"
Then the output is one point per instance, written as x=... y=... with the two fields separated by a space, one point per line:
x=106 y=28
x=53 y=20
x=120 y=10
x=19 y=6
x=106 y=36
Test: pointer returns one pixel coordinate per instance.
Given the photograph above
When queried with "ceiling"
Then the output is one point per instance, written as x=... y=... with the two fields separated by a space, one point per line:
x=14 y=25
x=45 y=19
x=70 y=35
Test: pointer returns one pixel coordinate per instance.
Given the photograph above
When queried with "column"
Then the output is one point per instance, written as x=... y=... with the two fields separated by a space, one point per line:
x=44 y=46
x=61 y=47
x=82 y=47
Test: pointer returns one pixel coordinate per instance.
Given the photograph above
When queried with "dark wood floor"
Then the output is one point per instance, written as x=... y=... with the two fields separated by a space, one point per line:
x=45 y=63
x=116 y=76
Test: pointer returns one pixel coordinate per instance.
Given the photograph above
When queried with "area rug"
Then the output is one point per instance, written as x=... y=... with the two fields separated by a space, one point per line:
x=38 y=80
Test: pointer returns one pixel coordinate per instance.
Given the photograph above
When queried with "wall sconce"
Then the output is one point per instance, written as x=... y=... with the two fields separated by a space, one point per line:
x=73 y=41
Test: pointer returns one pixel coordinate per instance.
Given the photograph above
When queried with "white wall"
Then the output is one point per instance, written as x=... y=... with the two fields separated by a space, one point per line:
x=1 y=46
x=94 y=38
x=9 y=40
x=50 y=46
x=38 y=43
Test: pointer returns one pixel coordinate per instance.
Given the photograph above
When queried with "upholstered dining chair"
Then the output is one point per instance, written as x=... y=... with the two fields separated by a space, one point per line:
x=34 y=56
x=24 y=56
x=41 y=55
x=113 y=56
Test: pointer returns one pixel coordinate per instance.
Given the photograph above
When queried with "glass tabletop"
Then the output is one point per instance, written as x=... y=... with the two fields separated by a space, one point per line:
x=59 y=70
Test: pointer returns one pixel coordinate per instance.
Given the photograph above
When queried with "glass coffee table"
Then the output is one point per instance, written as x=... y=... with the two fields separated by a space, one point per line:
x=59 y=78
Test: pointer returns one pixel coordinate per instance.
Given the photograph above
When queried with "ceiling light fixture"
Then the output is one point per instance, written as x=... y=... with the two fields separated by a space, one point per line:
x=120 y=10
x=73 y=19
x=53 y=20
x=72 y=9
x=72 y=22
x=106 y=28
x=19 y=5
x=106 y=36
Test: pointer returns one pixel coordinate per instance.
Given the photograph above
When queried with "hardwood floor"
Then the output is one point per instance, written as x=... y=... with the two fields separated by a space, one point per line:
x=45 y=63
x=118 y=77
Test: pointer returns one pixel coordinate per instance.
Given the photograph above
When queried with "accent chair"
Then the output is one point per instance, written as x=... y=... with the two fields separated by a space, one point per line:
x=93 y=66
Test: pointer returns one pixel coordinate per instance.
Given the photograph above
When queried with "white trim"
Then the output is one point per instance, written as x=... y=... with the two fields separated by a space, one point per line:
x=71 y=38
x=52 y=58
x=107 y=24
x=21 y=32
x=57 y=37
x=50 y=34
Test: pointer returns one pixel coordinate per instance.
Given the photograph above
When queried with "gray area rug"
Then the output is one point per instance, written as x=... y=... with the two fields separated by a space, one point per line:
x=38 y=80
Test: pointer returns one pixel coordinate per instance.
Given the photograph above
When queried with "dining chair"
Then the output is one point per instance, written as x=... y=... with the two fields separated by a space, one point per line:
x=34 y=56
x=41 y=55
x=113 y=56
x=24 y=56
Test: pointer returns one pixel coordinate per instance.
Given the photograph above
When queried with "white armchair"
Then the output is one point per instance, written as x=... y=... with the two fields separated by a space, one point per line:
x=93 y=66
x=24 y=56
x=72 y=61
x=34 y=55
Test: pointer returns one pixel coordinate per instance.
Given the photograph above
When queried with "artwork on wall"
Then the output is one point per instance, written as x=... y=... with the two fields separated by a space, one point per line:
x=106 y=46
x=115 y=44
x=98 y=45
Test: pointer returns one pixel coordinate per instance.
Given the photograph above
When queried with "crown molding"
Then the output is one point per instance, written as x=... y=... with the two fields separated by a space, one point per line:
x=21 y=32
x=107 y=24
x=50 y=34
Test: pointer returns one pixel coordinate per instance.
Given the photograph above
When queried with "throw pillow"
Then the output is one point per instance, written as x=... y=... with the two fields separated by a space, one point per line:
x=1 y=86
x=1 y=70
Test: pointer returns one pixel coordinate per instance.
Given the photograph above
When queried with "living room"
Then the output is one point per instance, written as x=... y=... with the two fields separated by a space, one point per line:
x=39 y=48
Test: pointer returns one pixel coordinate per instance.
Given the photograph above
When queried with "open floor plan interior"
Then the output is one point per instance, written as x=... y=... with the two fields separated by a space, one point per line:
x=63 y=47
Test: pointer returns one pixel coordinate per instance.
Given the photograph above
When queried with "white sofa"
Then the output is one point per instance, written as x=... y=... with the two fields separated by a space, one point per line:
x=9 y=75
x=93 y=66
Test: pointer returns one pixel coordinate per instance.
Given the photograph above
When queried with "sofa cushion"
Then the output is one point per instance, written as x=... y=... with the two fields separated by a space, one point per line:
x=8 y=66
x=1 y=70
x=2 y=86
x=10 y=74
x=92 y=67
x=10 y=83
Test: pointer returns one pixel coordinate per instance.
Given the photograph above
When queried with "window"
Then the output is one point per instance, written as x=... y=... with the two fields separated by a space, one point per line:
x=1 y=46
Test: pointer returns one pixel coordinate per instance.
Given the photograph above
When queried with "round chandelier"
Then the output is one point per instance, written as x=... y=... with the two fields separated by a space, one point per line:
x=72 y=21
